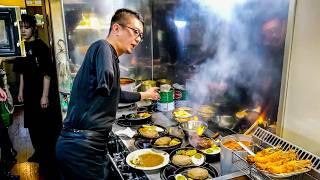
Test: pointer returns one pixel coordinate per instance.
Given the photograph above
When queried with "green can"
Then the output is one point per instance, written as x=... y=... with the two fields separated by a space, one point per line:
x=166 y=96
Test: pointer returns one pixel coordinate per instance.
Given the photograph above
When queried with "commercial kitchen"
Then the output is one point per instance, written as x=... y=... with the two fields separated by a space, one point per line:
x=238 y=83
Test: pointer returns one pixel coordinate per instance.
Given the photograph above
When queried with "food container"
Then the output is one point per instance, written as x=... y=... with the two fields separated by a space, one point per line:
x=165 y=106
x=225 y=121
x=163 y=81
x=166 y=96
x=147 y=84
x=180 y=92
x=128 y=84
x=190 y=127
x=226 y=164
x=206 y=112
x=183 y=114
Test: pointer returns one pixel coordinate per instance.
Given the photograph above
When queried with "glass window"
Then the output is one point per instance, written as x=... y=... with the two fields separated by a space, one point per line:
x=4 y=41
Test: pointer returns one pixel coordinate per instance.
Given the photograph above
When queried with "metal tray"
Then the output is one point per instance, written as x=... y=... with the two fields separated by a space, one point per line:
x=263 y=139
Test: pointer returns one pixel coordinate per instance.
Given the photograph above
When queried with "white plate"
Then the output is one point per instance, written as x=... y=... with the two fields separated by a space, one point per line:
x=133 y=155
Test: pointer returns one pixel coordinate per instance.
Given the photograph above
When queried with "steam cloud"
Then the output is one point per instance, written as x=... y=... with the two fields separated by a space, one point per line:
x=233 y=29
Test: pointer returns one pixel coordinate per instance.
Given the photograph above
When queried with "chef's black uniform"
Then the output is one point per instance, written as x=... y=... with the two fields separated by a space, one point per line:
x=81 y=147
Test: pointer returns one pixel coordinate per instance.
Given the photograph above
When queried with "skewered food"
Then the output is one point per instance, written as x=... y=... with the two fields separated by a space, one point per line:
x=181 y=160
x=198 y=173
x=277 y=161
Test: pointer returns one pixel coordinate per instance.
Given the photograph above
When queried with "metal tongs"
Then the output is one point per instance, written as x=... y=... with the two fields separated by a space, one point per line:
x=243 y=146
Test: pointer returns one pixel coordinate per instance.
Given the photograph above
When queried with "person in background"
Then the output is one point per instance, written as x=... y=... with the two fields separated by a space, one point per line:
x=8 y=153
x=81 y=147
x=38 y=91
x=273 y=33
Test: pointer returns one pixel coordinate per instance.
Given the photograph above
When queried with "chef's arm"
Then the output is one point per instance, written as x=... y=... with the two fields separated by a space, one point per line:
x=131 y=97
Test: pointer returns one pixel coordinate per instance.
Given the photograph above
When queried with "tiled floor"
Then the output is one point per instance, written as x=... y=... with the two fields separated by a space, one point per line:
x=22 y=144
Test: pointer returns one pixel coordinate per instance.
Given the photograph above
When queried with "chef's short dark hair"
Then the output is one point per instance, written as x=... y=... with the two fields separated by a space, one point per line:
x=121 y=16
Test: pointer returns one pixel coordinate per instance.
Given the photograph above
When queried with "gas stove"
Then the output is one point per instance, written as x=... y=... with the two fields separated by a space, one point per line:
x=117 y=153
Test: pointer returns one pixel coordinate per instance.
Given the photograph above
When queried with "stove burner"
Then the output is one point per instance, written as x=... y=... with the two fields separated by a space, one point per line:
x=127 y=106
x=142 y=143
x=118 y=153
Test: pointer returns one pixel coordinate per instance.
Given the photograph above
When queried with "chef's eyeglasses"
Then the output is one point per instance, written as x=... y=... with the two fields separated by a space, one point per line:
x=135 y=31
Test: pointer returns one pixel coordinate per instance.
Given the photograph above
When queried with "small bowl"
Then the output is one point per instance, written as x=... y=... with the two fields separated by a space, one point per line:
x=190 y=127
x=181 y=117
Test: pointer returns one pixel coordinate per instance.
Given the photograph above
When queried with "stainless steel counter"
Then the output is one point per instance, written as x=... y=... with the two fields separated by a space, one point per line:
x=163 y=119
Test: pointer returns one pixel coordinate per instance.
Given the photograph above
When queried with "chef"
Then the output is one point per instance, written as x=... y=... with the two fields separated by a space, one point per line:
x=81 y=147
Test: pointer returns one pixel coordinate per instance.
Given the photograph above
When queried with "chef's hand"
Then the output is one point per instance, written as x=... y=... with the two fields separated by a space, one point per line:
x=151 y=93
x=44 y=102
x=3 y=95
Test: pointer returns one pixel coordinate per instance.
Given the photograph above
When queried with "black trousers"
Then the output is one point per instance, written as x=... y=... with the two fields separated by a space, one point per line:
x=82 y=155
x=44 y=142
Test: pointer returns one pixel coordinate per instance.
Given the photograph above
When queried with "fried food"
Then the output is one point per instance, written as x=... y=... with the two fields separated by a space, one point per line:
x=233 y=145
x=181 y=160
x=189 y=152
x=163 y=141
x=277 y=161
x=205 y=143
x=174 y=142
x=242 y=114
x=181 y=114
x=206 y=111
x=198 y=173
x=148 y=132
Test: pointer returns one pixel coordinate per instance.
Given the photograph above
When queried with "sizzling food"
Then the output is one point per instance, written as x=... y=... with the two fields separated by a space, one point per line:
x=148 y=160
x=181 y=160
x=163 y=141
x=167 y=141
x=233 y=145
x=149 y=132
x=277 y=161
x=198 y=173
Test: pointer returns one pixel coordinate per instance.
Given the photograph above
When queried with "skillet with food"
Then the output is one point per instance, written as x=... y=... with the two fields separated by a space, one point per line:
x=187 y=156
x=138 y=118
x=196 y=172
x=166 y=143
x=151 y=131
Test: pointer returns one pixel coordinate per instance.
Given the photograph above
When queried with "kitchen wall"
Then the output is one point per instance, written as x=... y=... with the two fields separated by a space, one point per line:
x=301 y=102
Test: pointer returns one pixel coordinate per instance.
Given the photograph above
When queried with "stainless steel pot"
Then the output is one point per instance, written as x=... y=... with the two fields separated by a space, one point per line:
x=226 y=162
x=128 y=84
x=147 y=84
x=225 y=121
